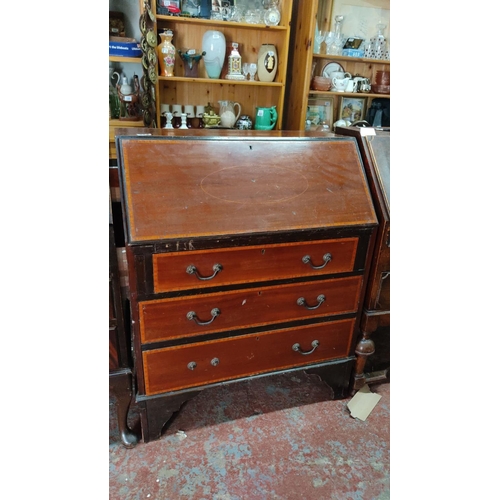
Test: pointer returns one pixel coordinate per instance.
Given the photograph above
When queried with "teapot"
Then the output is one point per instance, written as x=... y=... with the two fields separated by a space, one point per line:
x=228 y=114
x=340 y=74
x=363 y=83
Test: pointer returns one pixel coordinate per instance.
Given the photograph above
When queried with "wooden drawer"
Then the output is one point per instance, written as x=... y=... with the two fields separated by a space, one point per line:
x=168 y=318
x=173 y=271
x=168 y=369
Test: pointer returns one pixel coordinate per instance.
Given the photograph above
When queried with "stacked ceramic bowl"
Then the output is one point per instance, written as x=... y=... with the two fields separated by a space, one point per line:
x=382 y=83
x=321 y=83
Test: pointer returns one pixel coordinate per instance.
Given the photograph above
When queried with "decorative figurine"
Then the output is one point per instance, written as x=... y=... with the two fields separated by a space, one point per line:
x=234 y=66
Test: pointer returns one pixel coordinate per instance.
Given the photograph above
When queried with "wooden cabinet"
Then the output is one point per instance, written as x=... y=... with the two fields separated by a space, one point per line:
x=374 y=348
x=305 y=64
x=188 y=33
x=248 y=255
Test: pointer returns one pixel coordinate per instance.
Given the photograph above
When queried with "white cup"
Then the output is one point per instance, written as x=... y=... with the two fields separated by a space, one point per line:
x=200 y=110
x=177 y=109
x=164 y=109
x=189 y=110
x=351 y=87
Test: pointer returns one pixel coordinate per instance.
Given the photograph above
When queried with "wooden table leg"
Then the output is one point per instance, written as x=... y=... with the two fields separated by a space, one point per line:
x=120 y=383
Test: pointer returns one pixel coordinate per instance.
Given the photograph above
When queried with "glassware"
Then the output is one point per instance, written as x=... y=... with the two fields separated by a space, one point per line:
x=272 y=14
x=319 y=39
x=252 y=70
x=191 y=59
x=338 y=41
x=252 y=16
x=378 y=47
x=329 y=39
x=246 y=69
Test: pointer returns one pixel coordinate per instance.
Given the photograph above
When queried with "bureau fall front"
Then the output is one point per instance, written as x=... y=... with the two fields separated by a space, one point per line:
x=247 y=256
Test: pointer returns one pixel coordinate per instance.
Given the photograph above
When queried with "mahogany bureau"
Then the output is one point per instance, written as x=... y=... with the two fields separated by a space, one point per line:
x=374 y=348
x=247 y=255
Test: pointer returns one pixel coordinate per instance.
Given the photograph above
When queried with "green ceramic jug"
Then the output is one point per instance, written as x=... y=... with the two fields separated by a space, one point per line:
x=265 y=118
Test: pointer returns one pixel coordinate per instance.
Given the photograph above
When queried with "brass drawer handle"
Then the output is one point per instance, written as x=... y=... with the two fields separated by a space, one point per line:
x=192 y=270
x=326 y=258
x=314 y=344
x=191 y=315
x=302 y=302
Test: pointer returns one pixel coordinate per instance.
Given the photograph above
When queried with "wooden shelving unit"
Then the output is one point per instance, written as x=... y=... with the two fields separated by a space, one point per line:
x=305 y=64
x=188 y=33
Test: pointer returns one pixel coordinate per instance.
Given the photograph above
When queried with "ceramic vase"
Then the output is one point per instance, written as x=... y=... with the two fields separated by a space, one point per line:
x=166 y=53
x=214 y=46
x=267 y=62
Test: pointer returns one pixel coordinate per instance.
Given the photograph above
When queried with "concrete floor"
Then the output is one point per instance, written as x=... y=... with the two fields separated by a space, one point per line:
x=277 y=437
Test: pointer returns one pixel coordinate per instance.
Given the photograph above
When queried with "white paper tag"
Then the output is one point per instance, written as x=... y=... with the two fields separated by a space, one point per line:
x=364 y=131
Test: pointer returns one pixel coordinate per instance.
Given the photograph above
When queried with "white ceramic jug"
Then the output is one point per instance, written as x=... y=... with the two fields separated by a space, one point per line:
x=228 y=114
x=340 y=84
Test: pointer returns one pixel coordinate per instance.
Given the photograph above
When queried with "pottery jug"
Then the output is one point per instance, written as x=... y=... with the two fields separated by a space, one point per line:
x=214 y=46
x=125 y=88
x=340 y=84
x=352 y=86
x=267 y=62
x=227 y=113
x=265 y=118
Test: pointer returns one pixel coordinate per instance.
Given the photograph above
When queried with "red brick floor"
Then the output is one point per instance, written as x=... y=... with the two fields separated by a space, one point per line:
x=277 y=437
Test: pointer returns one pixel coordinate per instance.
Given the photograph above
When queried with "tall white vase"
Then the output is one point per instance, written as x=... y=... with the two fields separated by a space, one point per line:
x=214 y=46
x=267 y=62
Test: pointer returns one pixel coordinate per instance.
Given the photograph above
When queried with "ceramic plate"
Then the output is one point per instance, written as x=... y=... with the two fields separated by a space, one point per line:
x=330 y=67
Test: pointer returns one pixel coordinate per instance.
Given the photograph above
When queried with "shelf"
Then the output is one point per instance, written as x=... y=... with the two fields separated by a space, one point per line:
x=347 y=94
x=217 y=23
x=352 y=59
x=125 y=123
x=121 y=59
x=220 y=81
x=189 y=90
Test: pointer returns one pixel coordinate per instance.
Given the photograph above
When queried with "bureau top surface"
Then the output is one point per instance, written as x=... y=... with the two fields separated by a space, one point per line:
x=186 y=187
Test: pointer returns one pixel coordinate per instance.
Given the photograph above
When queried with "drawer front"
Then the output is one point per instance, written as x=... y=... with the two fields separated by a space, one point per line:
x=214 y=312
x=180 y=367
x=199 y=269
